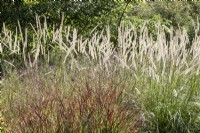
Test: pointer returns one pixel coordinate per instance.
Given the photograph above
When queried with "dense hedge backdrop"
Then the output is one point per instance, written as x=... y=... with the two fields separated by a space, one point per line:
x=87 y=14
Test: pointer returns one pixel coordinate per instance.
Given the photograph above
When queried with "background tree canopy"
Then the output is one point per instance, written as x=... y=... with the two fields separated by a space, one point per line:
x=87 y=14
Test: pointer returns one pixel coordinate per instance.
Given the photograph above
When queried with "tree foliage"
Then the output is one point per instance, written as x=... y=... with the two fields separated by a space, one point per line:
x=87 y=14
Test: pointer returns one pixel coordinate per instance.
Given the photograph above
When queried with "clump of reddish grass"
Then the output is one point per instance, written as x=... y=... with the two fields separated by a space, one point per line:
x=97 y=105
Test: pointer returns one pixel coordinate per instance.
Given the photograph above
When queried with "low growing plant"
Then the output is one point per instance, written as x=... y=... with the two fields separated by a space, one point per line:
x=100 y=104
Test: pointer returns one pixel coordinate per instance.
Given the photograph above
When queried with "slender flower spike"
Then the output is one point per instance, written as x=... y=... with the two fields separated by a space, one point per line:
x=175 y=93
x=1 y=75
x=138 y=92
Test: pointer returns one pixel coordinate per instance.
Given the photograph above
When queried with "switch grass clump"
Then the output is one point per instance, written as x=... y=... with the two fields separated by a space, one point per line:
x=101 y=104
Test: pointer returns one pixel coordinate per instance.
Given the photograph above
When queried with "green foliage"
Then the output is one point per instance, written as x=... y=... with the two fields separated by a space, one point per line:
x=83 y=15
x=86 y=15
x=171 y=107
x=179 y=14
x=152 y=24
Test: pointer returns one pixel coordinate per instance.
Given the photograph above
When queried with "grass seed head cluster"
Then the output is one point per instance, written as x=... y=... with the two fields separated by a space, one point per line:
x=137 y=51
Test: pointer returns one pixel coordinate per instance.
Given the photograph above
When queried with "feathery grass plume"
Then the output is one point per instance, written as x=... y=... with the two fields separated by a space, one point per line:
x=133 y=51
